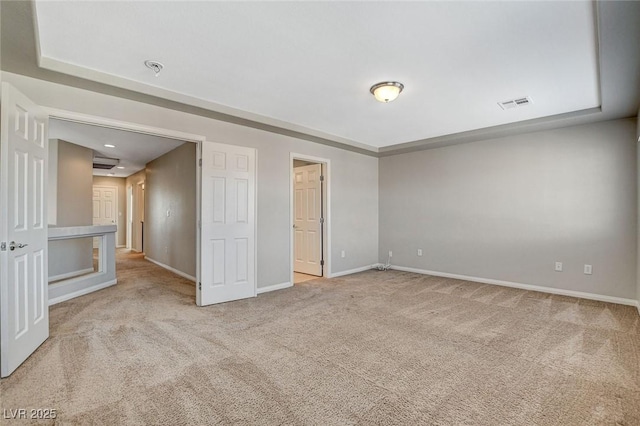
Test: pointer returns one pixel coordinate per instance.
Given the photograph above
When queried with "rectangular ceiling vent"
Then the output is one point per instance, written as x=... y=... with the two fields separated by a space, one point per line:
x=103 y=163
x=515 y=103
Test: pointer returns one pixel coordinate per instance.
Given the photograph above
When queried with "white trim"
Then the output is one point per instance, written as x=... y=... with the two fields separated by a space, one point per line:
x=71 y=274
x=530 y=287
x=256 y=181
x=354 y=271
x=121 y=246
x=82 y=292
x=327 y=220
x=273 y=287
x=169 y=268
x=93 y=120
x=199 y=218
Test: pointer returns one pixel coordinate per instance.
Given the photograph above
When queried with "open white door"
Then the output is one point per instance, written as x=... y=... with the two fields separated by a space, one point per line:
x=307 y=240
x=24 y=310
x=228 y=237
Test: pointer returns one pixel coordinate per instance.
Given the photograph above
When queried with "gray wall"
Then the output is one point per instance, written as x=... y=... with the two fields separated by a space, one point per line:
x=121 y=235
x=353 y=177
x=171 y=186
x=75 y=185
x=74 y=207
x=133 y=181
x=508 y=208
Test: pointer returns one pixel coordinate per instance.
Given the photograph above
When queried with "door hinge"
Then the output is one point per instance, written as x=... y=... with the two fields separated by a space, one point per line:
x=199 y=286
x=322 y=220
x=200 y=162
x=322 y=263
x=3 y=246
x=321 y=178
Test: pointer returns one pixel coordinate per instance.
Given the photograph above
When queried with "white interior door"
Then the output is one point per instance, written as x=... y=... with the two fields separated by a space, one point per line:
x=105 y=208
x=307 y=238
x=129 y=215
x=105 y=205
x=24 y=310
x=228 y=224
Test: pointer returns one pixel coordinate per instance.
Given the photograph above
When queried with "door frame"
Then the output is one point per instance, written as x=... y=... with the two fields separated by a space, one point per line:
x=326 y=230
x=137 y=218
x=129 y=213
x=75 y=117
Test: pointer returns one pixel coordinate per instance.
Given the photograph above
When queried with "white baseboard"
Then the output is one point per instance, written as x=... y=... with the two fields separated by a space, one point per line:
x=71 y=274
x=274 y=287
x=572 y=293
x=353 y=271
x=169 y=268
x=121 y=246
x=82 y=292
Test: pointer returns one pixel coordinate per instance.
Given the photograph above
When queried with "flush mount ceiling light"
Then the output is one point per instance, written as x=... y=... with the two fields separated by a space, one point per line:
x=386 y=91
x=119 y=167
x=155 y=66
x=108 y=145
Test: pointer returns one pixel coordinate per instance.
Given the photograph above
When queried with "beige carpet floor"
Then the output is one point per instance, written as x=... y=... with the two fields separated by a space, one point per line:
x=366 y=349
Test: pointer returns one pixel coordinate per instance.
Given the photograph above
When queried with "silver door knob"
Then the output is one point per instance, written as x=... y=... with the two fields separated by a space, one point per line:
x=13 y=245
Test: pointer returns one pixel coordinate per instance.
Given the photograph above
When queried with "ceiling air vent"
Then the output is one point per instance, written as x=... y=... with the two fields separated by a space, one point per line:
x=103 y=163
x=515 y=103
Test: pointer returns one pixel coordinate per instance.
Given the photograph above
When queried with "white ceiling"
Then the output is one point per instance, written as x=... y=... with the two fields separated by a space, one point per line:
x=134 y=150
x=309 y=65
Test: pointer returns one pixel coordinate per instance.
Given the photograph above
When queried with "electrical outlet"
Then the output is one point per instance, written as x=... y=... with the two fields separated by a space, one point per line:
x=343 y=254
x=588 y=269
x=419 y=252
x=558 y=266
x=390 y=253
x=168 y=213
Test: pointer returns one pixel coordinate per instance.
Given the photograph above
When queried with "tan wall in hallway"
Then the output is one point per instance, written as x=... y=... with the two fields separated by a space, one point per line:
x=171 y=187
x=74 y=207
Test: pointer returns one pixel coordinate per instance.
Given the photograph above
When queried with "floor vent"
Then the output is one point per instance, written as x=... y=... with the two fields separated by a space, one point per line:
x=515 y=103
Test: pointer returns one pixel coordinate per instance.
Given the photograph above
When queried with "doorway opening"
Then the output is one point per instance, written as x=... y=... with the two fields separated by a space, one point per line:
x=309 y=218
x=116 y=174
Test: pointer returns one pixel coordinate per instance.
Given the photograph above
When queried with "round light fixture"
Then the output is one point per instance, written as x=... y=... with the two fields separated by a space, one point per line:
x=386 y=91
x=119 y=167
x=108 y=145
